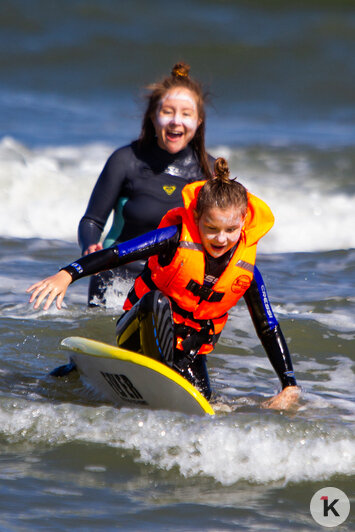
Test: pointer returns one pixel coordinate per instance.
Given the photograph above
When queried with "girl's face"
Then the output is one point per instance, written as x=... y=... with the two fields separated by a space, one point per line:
x=219 y=229
x=176 y=119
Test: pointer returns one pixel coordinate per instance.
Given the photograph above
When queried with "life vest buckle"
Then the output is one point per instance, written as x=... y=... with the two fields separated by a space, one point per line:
x=204 y=292
x=193 y=339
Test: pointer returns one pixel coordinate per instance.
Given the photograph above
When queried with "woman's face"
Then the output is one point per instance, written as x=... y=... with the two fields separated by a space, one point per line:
x=220 y=229
x=176 y=119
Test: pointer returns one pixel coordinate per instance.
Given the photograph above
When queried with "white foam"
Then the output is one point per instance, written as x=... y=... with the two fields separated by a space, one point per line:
x=311 y=212
x=46 y=191
x=309 y=222
x=259 y=448
x=115 y=294
x=335 y=320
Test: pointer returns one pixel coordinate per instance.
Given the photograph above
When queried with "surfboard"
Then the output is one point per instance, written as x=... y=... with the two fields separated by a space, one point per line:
x=130 y=379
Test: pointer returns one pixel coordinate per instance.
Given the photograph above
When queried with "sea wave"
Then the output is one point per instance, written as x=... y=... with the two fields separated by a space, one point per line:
x=46 y=190
x=226 y=448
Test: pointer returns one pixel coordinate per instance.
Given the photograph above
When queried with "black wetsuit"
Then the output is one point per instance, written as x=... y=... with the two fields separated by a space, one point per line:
x=150 y=181
x=163 y=242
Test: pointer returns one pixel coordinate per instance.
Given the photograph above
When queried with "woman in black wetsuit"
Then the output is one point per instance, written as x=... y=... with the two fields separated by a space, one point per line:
x=142 y=181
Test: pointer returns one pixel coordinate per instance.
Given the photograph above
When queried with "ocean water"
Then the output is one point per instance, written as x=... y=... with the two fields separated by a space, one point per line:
x=281 y=77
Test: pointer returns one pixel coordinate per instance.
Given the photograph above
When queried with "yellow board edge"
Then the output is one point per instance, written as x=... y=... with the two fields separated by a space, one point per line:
x=103 y=350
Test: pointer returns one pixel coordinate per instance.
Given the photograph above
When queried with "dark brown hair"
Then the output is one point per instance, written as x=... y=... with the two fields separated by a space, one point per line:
x=179 y=78
x=221 y=191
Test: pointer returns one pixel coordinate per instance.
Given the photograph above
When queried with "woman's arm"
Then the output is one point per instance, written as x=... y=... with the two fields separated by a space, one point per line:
x=104 y=199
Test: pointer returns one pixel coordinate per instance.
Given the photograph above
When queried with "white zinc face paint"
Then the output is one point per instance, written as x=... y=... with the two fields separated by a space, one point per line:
x=219 y=229
x=176 y=119
x=182 y=94
x=173 y=111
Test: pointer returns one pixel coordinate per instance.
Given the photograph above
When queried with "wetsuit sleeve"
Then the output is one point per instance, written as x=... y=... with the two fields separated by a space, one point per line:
x=269 y=331
x=159 y=241
x=104 y=197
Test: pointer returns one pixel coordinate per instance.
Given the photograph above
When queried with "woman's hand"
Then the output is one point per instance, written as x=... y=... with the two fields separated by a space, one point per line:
x=283 y=400
x=93 y=248
x=53 y=287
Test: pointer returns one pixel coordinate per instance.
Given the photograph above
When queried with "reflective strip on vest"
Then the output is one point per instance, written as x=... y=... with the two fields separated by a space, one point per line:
x=245 y=266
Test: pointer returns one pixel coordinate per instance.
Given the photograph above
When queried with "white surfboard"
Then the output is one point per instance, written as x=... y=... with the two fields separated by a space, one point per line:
x=126 y=378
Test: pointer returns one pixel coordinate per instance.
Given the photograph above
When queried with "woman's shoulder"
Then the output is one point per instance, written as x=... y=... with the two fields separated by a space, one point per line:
x=211 y=160
x=129 y=150
x=123 y=158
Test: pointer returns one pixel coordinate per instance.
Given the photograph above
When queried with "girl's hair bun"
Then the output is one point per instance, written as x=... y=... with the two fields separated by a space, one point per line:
x=180 y=70
x=221 y=191
x=221 y=170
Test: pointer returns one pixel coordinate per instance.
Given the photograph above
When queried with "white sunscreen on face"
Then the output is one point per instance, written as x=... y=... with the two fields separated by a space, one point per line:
x=176 y=117
x=179 y=95
x=176 y=120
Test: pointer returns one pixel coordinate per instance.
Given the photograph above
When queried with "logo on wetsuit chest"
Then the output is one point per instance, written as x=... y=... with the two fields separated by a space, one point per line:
x=169 y=189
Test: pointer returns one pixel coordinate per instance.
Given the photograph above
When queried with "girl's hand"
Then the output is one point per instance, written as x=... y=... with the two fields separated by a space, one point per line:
x=93 y=248
x=285 y=399
x=53 y=287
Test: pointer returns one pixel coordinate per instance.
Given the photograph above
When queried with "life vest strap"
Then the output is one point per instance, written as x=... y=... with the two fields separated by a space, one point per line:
x=192 y=340
x=146 y=277
x=132 y=296
x=187 y=315
x=204 y=292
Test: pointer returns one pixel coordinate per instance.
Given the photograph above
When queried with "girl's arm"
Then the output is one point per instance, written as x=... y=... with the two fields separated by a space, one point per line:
x=54 y=287
x=273 y=341
x=140 y=248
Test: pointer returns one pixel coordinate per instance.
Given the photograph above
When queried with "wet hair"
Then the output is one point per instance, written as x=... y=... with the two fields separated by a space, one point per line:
x=179 y=77
x=221 y=191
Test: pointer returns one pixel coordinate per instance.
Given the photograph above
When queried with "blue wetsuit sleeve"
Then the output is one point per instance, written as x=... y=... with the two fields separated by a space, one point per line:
x=155 y=242
x=268 y=330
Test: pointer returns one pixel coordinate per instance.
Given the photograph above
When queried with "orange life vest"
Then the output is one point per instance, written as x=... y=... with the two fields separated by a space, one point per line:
x=196 y=306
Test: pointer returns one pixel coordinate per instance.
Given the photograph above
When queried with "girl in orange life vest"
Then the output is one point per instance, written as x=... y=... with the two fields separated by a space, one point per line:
x=201 y=262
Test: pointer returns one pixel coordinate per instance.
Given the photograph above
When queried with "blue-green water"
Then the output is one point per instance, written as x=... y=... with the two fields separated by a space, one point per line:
x=282 y=111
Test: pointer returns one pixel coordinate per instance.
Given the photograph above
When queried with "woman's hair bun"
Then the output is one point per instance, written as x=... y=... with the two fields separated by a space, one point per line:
x=221 y=169
x=180 y=70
